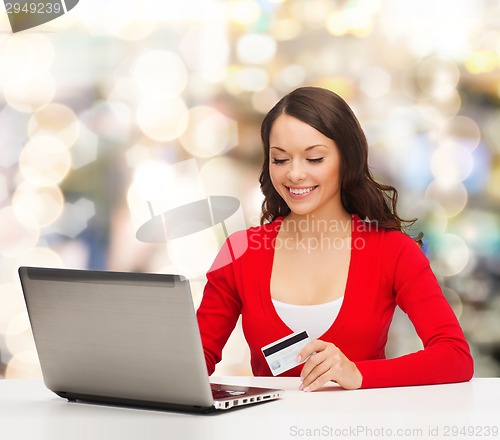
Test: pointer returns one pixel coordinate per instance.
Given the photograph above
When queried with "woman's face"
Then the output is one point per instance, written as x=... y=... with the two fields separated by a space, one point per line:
x=304 y=167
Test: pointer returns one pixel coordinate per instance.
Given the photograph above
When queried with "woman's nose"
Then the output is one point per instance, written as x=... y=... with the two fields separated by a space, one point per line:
x=296 y=173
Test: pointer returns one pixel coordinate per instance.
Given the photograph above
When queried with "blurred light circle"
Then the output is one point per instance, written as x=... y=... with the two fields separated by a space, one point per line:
x=481 y=230
x=451 y=163
x=56 y=119
x=163 y=187
x=349 y=21
x=159 y=73
x=24 y=365
x=110 y=119
x=264 y=100
x=11 y=139
x=158 y=187
x=454 y=300
x=461 y=129
x=37 y=207
x=126 y=20
x=11 y=299
x=493 y=188
x=206 y=51
x=24 y=54
x=437 y=77
x=452 y=198
x=477 y=288
x=487 y=329
x=375 y=82
x=208 y=133
x=249 y=79
x=224 y=175
x=15 y=237
x=431 y=216
x=431 y=113
x=162 y=119
x=3 y=188
x=17 y=55
x=18 y=336
x=481 y=61
x=153 y=179
x=489 y=129
x=196 y=263
x=75 y=218
x=44 y=49
x=290 y=77
x=44 y=161
x=286 y=29
x=132 y=29
x=29 y=94
x=450 y=255
x=242 y=12
x=256 y=48
x=85 y=149
x=337 y=24
x=40 y=257
x=448 y=105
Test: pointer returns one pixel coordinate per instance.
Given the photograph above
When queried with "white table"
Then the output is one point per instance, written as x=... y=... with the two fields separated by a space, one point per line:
x=462 y=411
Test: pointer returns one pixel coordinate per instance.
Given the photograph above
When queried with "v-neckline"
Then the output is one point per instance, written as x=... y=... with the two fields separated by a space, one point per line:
x=346 y=301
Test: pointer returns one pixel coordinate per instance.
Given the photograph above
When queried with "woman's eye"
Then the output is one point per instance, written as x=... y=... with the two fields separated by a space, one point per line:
x=316 y=160
x=278 y=161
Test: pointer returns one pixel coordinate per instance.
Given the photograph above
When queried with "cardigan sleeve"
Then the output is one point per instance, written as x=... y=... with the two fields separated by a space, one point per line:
x=445 y=356
x=221 y=305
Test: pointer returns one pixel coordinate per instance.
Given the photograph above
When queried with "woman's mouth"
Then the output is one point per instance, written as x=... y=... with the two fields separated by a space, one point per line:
x=301 y=191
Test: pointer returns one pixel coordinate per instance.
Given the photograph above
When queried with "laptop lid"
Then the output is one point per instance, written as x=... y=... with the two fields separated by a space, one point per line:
x=118 y=337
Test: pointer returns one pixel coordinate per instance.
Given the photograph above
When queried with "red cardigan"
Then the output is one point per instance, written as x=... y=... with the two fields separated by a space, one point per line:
x=387 y=269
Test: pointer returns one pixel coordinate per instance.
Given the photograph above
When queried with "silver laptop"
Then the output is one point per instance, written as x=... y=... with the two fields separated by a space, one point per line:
x=124 y=338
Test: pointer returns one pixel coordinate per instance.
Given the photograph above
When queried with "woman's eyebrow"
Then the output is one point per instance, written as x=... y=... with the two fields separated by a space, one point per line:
x=306 y=149
x=314 y=146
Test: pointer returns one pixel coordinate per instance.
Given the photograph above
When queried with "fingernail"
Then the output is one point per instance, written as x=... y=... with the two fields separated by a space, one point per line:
x=299 y=358
x=305 y=389
x=301 y=386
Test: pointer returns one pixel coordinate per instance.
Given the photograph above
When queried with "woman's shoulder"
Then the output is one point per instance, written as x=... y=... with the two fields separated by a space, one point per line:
x=389 y=238
x=254 y=238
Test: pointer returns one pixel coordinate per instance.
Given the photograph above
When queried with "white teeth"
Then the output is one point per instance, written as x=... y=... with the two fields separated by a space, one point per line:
x=301 y=190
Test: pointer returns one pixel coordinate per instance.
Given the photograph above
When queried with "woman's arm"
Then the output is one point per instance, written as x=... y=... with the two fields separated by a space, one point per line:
x=445 y=356
x=220 y=307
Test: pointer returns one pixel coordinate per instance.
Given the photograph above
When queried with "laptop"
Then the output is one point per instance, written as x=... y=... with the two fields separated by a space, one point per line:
x=124 y=338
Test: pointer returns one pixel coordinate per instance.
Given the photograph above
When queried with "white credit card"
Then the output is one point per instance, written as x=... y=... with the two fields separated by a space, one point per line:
x=281 y=355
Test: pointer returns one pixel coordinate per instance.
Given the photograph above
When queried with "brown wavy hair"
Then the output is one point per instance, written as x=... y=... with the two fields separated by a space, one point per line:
x=328 y=113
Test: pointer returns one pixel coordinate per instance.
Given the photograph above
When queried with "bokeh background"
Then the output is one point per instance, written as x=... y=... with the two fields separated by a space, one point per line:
x=123 y=109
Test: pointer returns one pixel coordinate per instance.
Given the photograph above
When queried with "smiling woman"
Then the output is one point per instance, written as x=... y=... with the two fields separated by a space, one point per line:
x=331 y=260
x=328 y=118
x=304 y=166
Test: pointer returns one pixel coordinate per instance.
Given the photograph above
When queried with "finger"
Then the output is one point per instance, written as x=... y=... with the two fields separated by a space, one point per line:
x=314 y=360
x=318 y=370
x=309 y=349
x=318 y=382
x=319 y=376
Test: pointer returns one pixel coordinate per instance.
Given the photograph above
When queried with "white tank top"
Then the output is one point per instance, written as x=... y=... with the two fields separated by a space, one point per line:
x=315 y=319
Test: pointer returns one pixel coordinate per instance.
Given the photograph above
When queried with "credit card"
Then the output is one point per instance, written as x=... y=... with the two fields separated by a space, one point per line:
x=281 y=355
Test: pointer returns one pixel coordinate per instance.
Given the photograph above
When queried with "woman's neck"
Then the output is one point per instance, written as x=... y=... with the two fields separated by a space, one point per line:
x=318 y=225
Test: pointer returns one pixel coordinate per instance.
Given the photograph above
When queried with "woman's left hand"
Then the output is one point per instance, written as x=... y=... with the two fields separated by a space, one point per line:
x=327 y=363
